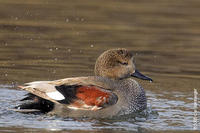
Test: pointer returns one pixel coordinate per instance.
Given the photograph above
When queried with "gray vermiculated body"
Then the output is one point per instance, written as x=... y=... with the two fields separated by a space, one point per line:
x=131 y=99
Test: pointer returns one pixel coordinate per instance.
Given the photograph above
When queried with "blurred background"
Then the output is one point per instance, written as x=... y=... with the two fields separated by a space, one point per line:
x=52 y=39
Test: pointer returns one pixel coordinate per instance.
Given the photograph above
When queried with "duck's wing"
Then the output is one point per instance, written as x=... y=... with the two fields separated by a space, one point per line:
x=83 y=93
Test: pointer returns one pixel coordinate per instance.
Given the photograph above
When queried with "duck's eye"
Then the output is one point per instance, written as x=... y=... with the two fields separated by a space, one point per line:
x=123 y=63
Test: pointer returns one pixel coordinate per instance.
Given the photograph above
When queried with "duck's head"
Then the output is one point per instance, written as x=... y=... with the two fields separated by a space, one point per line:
x=117 y=64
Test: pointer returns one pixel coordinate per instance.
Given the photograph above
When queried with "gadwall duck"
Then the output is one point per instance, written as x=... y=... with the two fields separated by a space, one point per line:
x=111 y=92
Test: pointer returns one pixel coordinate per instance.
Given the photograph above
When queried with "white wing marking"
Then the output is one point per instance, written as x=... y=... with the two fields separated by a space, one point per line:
x=55 y=95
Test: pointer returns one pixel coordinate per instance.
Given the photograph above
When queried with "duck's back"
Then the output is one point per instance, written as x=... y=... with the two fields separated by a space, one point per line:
x=80 y=93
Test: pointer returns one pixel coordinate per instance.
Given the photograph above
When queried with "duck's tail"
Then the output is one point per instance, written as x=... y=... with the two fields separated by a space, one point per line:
x=34 y=104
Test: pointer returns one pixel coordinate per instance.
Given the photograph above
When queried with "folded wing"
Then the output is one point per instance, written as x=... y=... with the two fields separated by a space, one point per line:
x=78 y=96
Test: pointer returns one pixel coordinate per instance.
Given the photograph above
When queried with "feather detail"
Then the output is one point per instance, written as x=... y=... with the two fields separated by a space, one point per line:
x=55 y=95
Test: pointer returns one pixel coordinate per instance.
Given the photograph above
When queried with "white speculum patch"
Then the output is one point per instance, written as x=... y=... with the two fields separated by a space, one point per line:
x=55 y=95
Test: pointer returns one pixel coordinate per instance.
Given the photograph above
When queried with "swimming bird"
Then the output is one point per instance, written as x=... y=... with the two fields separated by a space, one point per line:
x=111 y=92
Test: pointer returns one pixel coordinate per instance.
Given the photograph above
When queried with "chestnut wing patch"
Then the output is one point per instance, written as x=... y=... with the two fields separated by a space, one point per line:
x=86 y=97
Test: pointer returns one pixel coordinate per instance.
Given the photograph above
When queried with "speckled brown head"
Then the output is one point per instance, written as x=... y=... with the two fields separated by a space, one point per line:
x=117 y=64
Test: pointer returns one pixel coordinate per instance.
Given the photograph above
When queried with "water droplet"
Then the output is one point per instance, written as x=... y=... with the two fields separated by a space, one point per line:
x=82 y=19
x=66 y=20
x=56 y=48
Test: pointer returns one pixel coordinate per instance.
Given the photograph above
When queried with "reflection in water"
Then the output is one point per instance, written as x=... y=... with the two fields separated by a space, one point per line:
x=47 y=40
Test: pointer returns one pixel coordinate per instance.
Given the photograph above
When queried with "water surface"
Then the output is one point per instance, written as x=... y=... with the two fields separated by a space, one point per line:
x=48 y=40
